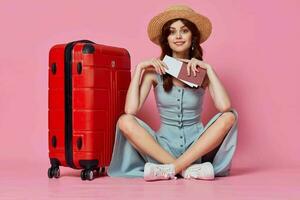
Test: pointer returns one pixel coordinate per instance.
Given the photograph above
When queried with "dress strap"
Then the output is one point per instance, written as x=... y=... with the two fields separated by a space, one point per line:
x=159 y=78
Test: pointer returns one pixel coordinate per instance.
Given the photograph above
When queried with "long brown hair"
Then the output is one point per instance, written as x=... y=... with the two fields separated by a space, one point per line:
x=166 y=50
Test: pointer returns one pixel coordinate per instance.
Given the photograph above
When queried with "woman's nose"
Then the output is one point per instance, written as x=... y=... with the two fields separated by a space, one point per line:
x=178 y=35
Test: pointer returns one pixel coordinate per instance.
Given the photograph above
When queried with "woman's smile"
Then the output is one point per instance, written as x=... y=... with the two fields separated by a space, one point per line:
x=179 y=43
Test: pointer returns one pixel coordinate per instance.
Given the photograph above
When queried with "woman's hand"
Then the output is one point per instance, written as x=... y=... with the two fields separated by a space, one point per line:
x=193 y=64
x=155 y=63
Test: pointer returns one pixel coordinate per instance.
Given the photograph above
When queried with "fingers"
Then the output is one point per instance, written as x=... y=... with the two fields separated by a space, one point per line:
x=159 y=66
x=188 y=67
x=191 y=66
x=163 y=64
x=194 y=69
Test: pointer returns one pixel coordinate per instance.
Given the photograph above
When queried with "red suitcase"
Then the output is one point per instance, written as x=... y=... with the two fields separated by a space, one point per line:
x=88 y=83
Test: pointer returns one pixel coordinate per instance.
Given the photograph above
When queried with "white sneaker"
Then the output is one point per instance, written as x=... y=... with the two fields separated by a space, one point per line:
x=159 y=171
x=199 y=171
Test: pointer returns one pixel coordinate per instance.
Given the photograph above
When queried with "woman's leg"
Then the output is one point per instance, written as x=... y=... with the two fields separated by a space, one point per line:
x=209 y=140
x=209 y=157
x=141 y=140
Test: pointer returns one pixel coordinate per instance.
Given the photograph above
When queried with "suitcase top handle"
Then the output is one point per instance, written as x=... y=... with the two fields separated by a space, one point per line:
x=80 y=41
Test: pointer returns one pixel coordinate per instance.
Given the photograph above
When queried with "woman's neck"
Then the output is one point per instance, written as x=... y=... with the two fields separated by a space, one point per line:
x=183 y=55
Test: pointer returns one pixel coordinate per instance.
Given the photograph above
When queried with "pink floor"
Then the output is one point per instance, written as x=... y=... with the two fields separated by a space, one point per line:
x=31 y=182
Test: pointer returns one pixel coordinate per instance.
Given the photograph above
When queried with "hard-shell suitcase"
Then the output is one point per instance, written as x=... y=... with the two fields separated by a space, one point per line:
x=88 y=83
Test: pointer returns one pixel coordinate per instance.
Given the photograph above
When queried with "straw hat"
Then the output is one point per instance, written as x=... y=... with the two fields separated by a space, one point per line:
x=178 y=11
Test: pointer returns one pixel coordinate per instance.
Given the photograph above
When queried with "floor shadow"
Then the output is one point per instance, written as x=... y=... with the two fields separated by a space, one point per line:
x=240 y=171
x=76 y=173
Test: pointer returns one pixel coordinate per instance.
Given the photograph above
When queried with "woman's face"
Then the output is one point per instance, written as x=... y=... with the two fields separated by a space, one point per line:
x=180 y=37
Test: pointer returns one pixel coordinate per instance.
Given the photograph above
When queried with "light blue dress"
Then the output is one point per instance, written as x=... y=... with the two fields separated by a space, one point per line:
x=180 y=113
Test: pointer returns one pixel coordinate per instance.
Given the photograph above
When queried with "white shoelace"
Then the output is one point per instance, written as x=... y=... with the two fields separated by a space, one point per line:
x=157 y=171
x=163 y=171
x=195 y=171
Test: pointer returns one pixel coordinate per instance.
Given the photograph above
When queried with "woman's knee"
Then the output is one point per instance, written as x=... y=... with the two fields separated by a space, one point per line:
x=228 y=118
x=126 y=123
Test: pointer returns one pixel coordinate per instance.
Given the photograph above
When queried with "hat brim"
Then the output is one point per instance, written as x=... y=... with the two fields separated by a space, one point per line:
x=156 y=23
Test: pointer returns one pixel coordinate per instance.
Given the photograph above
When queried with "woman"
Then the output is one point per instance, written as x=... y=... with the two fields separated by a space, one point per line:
x=182 y=145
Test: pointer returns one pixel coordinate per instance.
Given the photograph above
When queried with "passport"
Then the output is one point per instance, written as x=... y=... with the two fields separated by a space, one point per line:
x=178 y=70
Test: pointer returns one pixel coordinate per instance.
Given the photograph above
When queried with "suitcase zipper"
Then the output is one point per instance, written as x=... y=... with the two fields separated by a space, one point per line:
x=68 y=105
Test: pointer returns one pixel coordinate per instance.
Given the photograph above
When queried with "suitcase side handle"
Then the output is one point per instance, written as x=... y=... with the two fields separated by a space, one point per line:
x=79 y=68
x=53 y=68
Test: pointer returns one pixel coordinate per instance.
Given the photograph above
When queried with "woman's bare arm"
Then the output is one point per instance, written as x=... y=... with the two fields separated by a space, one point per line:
x=139 y=90
x=140 y=85
x=218 y=92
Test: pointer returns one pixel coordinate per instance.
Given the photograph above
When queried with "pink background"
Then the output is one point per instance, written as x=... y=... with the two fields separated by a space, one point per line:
x=253 y=49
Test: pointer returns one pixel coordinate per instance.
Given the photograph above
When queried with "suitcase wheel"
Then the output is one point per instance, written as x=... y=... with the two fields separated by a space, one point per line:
x=87 y=174
x=53 y=172
x=103 y=170
x=82 y=175
x=100 y=170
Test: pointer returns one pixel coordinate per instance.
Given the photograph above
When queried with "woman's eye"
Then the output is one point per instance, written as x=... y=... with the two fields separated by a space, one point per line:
x=181 y=31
